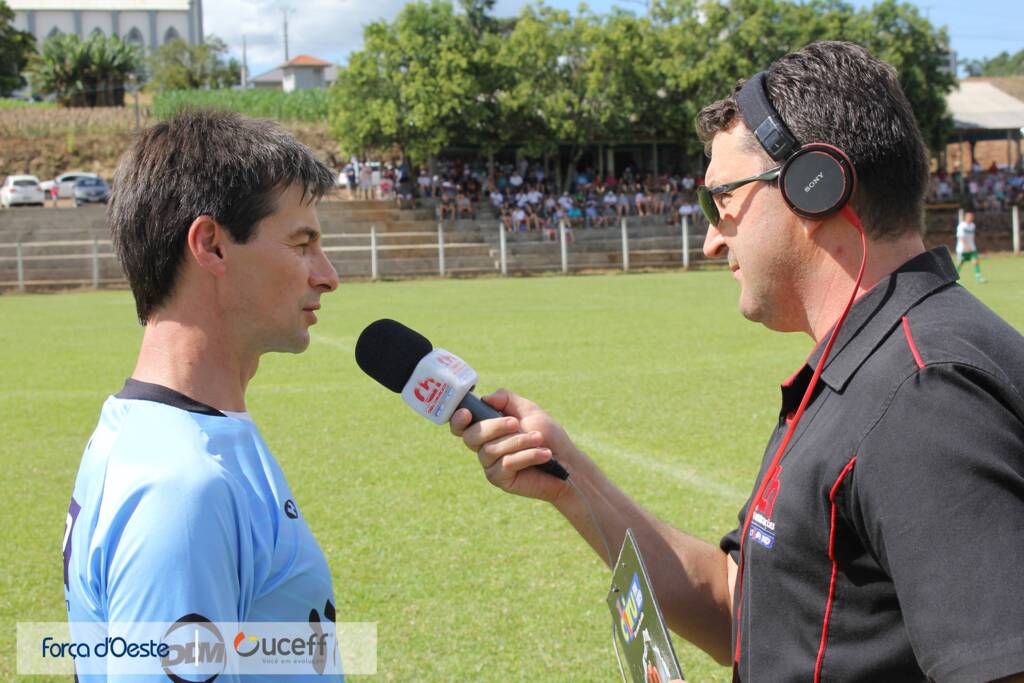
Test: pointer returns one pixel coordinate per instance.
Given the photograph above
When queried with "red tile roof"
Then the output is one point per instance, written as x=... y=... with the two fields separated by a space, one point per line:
x=306 y=60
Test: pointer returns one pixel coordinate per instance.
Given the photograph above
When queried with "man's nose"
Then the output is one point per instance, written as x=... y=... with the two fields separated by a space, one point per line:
x=714 y=243
x=324 y=275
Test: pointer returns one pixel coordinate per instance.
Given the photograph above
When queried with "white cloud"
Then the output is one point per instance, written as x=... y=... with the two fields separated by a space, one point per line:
x=328 y=29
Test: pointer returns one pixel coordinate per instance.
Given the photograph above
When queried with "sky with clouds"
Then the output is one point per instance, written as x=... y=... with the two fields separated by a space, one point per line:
x=331 y=29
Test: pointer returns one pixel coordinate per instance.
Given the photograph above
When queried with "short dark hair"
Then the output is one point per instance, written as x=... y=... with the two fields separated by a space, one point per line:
x=837 y=93
x=200 y=162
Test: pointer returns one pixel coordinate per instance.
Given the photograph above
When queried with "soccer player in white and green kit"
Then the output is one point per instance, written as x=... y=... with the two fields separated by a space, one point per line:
x=180 y=512
x=966 y=249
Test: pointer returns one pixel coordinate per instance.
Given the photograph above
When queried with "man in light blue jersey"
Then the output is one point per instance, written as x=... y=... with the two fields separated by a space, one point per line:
x=180 y=513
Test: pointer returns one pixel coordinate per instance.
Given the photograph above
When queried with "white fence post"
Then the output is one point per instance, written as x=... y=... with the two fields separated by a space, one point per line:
x=565 y=252
x=625 y=247
x=686 y=241
x=503 y=246
x=440 y=248
x=95 y=264
x=374 y=272
x=21 y=268
x=1016 y=230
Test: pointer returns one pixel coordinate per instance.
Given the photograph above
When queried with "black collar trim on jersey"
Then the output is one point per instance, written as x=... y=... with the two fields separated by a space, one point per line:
x=145 y=391
x=880 y=310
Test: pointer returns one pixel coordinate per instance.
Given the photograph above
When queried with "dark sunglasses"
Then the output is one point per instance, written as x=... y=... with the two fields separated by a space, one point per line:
x=706 y=195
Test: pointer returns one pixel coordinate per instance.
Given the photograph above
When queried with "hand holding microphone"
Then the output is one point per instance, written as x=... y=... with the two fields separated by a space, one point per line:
x=436 y=383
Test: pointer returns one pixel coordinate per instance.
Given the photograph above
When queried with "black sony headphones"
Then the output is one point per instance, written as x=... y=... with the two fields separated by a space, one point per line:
x=816 y=179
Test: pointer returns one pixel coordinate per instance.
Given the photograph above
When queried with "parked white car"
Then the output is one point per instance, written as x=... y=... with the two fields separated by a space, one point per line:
x=21 y=189
x=63 y=186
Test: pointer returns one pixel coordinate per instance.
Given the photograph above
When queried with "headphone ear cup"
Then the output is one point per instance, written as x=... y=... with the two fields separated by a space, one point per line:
x=817 y=181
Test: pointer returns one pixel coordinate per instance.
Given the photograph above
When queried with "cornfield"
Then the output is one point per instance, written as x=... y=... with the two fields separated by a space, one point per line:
x=34 y=121
x=8 y=103
x=303 y=105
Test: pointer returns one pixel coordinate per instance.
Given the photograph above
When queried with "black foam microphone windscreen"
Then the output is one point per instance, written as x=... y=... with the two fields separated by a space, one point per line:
x=388 y=351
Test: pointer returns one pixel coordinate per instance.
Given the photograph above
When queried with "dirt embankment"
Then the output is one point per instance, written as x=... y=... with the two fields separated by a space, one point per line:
x=47 y=142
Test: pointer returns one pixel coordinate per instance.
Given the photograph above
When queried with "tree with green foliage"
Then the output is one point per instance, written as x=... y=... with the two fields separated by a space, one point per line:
x=178 y=65
x=411 y=86
x=897 y=33
x=706 y=47
x=15 y=49
x=84 y=73
x=478 y=16
x=1003 y=64
x=578 y=79
x=433 y=77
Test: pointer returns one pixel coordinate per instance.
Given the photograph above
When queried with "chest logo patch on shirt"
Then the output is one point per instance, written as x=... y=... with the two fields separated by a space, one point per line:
x=762 y=526
x=291 y=509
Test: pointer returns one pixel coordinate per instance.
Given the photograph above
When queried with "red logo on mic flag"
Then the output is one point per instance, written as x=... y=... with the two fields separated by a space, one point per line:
x=427 y=390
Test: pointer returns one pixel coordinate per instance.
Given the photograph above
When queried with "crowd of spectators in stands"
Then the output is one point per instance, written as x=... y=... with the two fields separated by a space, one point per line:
x=524 y=198
x=983 y=189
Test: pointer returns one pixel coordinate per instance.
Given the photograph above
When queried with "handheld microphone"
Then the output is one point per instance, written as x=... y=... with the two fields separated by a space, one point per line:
x=433 y=382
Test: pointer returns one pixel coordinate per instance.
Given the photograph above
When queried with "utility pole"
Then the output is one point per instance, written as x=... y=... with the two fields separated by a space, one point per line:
x=134 y=81
x=284 y=12
x=245 y=65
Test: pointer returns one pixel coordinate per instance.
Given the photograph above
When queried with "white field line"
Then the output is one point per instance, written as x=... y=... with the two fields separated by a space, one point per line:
x=344 y=344
x=684 y=474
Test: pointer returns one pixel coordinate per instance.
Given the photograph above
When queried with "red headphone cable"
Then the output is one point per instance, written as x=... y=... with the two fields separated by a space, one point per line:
x=770 y=473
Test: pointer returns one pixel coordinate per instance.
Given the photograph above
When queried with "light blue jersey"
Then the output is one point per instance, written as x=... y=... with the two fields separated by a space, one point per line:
x=180 y=511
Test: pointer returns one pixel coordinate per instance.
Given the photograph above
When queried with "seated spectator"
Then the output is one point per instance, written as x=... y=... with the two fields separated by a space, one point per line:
x=464 y=206
x=497 y=200
x=515 y=181
x=423 y=183
x=447 y=205
x=640 y=202
x=350 y=179
x=386 y=183
x=611 y=203
x=534 y=196
x=592 y=217
x=406 y=198
x=506 y=218
x=623 y=201
x=550 y=205
x=520 y=222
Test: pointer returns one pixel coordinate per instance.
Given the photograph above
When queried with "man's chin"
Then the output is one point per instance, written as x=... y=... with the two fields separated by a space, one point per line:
x=296 y=344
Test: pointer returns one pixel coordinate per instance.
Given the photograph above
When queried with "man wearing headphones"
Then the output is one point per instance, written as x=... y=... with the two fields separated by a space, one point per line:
x=882 y=540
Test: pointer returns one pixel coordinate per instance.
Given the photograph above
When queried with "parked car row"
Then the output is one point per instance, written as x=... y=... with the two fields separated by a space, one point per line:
x=82 y=188
x=21 y=189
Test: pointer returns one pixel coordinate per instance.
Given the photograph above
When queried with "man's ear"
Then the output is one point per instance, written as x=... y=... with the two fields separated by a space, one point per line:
x=205 y=243
x=811 y=226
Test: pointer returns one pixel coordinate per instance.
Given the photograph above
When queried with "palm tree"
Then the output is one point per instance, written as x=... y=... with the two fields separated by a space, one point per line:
x=84 y=73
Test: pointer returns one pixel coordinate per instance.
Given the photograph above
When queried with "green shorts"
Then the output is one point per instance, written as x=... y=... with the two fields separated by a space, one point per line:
x=968 y=256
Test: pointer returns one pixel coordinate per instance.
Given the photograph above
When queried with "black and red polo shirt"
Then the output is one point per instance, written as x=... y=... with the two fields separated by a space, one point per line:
x=890 y=547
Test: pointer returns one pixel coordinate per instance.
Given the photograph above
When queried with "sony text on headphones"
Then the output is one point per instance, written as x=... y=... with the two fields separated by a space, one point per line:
x=816 y=179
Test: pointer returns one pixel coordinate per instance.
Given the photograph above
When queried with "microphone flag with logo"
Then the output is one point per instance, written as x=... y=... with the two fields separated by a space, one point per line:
x=433 y=382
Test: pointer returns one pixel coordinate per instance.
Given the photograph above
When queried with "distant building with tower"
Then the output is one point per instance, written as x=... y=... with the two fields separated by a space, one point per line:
x=147 y=23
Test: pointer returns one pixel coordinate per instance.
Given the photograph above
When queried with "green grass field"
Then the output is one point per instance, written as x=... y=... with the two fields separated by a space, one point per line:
x=655 y=375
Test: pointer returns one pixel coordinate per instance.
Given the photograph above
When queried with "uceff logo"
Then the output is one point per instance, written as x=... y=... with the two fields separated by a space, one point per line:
x=630 y=608
x=314 y=646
